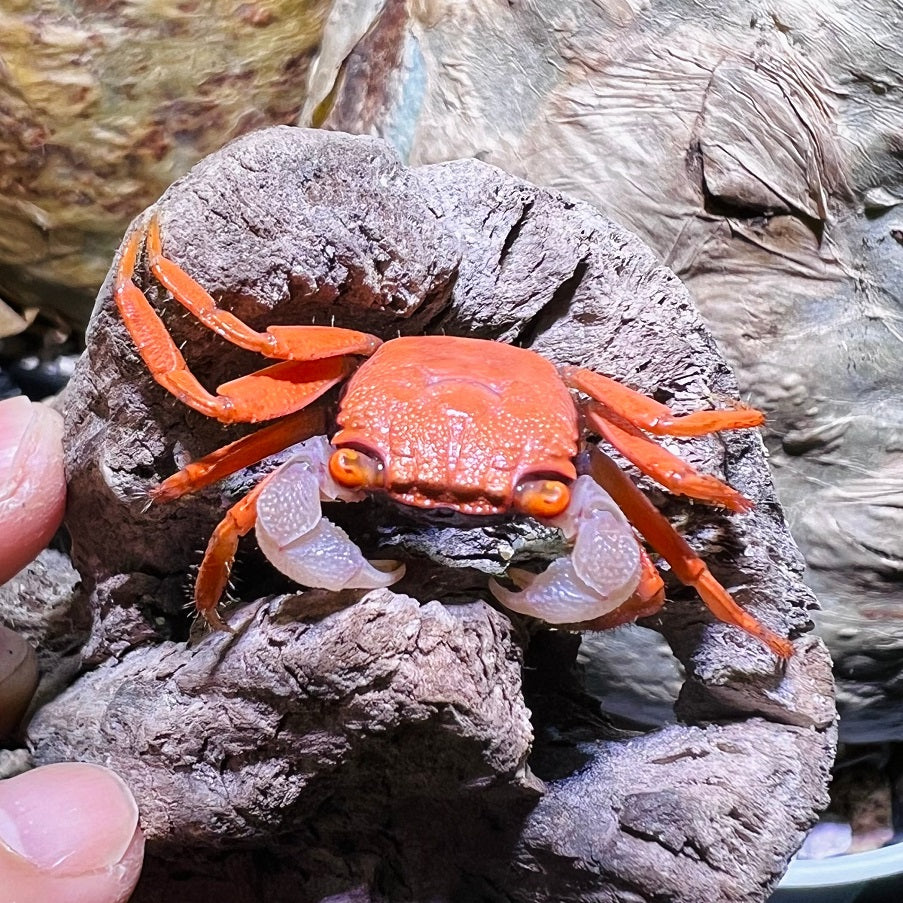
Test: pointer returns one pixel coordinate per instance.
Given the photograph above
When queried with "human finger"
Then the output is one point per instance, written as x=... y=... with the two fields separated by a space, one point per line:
x=69 y=833
x=32 y=482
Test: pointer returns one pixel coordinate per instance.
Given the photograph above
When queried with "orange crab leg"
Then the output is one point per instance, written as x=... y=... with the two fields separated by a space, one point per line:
x=283 y=342
x=242 y=453
x=665 y=468
x=272 y=392
x=688 y=567
x=269 y=393
x=216 y=566
x=278 y=390
x=646 y=600
x=649 y=415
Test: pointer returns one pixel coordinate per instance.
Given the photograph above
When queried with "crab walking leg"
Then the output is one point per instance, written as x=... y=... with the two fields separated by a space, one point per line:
x=688 y=567
x=603 y=571
x=242 y=453
x=649 y=415
x=216 y=566
x=283 y=342
x=269 y=393
x=664 y=467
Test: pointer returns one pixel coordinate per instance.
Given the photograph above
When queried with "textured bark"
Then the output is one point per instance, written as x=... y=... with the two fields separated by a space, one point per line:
x=381 y=741
x=257 y=733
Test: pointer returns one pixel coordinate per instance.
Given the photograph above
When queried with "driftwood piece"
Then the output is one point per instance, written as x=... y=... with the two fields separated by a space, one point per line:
x=244 y=736
x=375 y=746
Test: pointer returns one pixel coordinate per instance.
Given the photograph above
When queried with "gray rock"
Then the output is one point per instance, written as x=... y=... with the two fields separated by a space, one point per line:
x=332 y=723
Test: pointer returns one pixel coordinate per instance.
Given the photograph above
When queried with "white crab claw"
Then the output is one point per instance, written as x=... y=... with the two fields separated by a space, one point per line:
x=300 y=542
x=606 y=557
x=326 y=558
x=601 y=573
x=556 y=596
x=289 y=505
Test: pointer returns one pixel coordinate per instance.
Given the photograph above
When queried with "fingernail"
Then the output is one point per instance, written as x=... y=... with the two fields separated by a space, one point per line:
x=69 y=819
x=15 y=415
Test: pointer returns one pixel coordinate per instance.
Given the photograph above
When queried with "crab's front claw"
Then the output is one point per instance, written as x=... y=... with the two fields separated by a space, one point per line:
x=602 y=572
x=300 y=542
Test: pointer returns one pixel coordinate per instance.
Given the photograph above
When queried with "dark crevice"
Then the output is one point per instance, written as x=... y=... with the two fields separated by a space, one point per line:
x=443 y=306
x=689 y=848
x=683 y=754
x=558 y=306
x=514 y=234
x=733 y=208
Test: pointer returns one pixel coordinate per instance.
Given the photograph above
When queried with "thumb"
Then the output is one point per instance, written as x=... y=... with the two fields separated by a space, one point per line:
x=68 y=833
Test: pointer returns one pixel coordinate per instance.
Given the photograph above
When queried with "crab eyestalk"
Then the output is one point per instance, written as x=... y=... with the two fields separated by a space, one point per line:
x=355 y=470
x=542 y=498
x=602 y=572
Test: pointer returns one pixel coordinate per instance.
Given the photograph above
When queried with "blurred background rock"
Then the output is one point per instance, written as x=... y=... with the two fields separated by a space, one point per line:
x=104 y=104
x=757 y=147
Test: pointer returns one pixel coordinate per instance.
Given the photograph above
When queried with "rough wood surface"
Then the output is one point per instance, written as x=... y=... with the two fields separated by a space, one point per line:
x=244 y=736
x=376 y=746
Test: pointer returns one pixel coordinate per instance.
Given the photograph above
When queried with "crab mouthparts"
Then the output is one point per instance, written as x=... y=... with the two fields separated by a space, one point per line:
x=442 y=503
x=440 y=515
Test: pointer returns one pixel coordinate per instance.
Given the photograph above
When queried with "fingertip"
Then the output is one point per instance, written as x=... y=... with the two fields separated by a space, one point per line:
x=69 y=833
x=32 y=481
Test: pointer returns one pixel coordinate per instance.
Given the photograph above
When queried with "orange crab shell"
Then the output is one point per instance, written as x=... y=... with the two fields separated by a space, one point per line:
x=459 y=423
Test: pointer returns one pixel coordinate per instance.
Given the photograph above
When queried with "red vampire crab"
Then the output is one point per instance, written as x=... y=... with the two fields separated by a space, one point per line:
x=471 y=425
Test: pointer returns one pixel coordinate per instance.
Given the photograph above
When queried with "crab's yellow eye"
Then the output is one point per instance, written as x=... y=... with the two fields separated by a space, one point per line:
x=542 y=498
x=354 y=470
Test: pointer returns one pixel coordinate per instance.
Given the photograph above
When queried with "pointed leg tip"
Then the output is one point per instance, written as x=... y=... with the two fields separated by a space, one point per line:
x=739 y=504
x=781 y=647
x=215 y=621
x=167 y=491
x=751 y=417
x=154 y=244
x=158 y=493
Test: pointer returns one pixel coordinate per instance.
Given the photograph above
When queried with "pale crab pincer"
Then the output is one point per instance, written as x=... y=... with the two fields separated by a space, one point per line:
x=471 y=425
